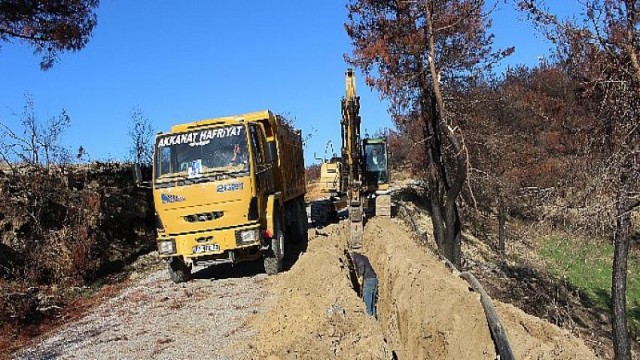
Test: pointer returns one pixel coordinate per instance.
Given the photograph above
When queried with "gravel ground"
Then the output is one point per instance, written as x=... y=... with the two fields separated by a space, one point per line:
x=157 y=319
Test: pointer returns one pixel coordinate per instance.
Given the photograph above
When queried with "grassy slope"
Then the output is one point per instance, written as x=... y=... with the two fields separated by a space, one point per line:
x=587 y=266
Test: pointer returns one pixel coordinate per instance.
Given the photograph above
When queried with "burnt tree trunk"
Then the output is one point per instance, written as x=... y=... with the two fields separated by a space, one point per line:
x=445 y=182
x=453 y=236
x=453 y=178
x=619 y=279
x=442 y=191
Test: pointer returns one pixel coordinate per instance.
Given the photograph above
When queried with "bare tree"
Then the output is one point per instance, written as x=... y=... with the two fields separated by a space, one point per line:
x=141 y=135
x=414 y=53
x=39 y=143
x=601 y=50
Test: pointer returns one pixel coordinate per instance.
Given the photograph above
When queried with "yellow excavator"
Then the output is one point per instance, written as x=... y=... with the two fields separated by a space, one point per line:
x=365 y=170
x=359 y=178
x=330 y=170
x=326 y=209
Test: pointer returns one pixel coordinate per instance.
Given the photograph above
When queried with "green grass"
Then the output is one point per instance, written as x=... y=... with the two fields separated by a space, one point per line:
x=587 y=265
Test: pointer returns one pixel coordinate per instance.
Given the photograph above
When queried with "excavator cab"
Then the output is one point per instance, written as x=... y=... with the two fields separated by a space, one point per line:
x=376 y=165
x=375 y=156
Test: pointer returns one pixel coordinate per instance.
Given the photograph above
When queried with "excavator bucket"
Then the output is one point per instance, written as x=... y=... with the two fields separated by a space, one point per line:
x=383 y=205
x=356 y=217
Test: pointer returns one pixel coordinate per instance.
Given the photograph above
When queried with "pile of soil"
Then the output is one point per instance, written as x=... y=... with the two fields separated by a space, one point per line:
x=424 y=311
x=313 y=192
x=314 y=312
x=429 y=313
x=519 y=276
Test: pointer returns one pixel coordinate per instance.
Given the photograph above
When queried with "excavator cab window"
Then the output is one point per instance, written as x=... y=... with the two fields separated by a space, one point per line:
x=376 y=171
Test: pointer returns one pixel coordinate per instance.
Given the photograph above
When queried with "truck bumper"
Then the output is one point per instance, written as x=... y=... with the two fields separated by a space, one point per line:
x=209 y=242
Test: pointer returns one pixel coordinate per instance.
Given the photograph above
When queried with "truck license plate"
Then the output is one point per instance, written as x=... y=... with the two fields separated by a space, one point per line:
x=199 y=249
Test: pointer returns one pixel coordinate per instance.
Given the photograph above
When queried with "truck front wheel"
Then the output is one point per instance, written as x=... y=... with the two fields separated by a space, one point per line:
x=178 y=270
x=273 y=257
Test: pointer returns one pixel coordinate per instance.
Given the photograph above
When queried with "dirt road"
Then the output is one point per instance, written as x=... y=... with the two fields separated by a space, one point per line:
x=310 y=311
x=156 y=319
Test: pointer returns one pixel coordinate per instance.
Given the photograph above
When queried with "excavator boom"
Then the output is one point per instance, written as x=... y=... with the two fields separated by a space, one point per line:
x=352 y=155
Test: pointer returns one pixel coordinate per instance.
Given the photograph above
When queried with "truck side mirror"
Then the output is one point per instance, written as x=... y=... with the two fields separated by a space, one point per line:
x=272 y=152
x=137 y=173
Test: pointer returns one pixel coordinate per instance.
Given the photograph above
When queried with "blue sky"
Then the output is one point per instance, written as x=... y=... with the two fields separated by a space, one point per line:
x=181 y=61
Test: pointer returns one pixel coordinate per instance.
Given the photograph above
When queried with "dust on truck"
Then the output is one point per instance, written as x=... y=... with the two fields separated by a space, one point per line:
x=228 y=190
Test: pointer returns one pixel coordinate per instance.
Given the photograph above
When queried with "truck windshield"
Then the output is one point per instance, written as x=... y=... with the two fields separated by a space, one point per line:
x=202 y=153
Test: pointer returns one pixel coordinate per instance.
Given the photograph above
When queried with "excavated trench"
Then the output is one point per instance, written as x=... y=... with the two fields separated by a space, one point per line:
x=427 y=312
x=424 y=312
x=401 y=307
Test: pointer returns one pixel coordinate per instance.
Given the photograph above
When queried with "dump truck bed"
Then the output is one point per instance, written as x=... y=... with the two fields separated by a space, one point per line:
x=290 y=166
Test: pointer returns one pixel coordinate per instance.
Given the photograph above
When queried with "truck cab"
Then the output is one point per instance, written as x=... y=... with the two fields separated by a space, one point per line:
x=219 y=192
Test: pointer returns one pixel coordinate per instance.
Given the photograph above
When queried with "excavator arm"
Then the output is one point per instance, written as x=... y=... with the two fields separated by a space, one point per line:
x=352 y=158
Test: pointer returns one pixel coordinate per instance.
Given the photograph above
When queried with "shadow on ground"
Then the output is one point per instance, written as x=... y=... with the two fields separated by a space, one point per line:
x=415 y=196
x=250 y=268
x=539 y=294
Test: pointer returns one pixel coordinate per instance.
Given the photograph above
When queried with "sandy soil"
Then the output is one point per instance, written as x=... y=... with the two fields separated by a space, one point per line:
x=429 y=313
x=310 y=311
x=314 y=313
x=424 y=311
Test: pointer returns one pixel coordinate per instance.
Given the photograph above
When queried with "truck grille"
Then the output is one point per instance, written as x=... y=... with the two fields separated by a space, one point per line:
x=208 y=216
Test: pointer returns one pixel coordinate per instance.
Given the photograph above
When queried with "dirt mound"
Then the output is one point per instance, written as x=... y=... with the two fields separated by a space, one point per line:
x=428 y=313
x=313 y=192
x=314 y=311
x=424 y=311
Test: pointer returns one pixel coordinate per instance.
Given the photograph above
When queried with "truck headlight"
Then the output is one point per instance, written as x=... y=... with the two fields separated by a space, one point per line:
x=244 y=237
x=167 y=247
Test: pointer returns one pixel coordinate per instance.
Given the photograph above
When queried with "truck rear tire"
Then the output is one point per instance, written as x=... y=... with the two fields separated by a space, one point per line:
x=273 y=257
x=300 y=226
x=304 y=221
x=178 y=270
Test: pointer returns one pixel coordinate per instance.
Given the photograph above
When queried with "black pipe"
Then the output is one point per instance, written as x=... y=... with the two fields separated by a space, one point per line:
x=498 y=332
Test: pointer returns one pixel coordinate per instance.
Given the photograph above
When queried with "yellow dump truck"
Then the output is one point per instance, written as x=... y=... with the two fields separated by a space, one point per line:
x=227 y=190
